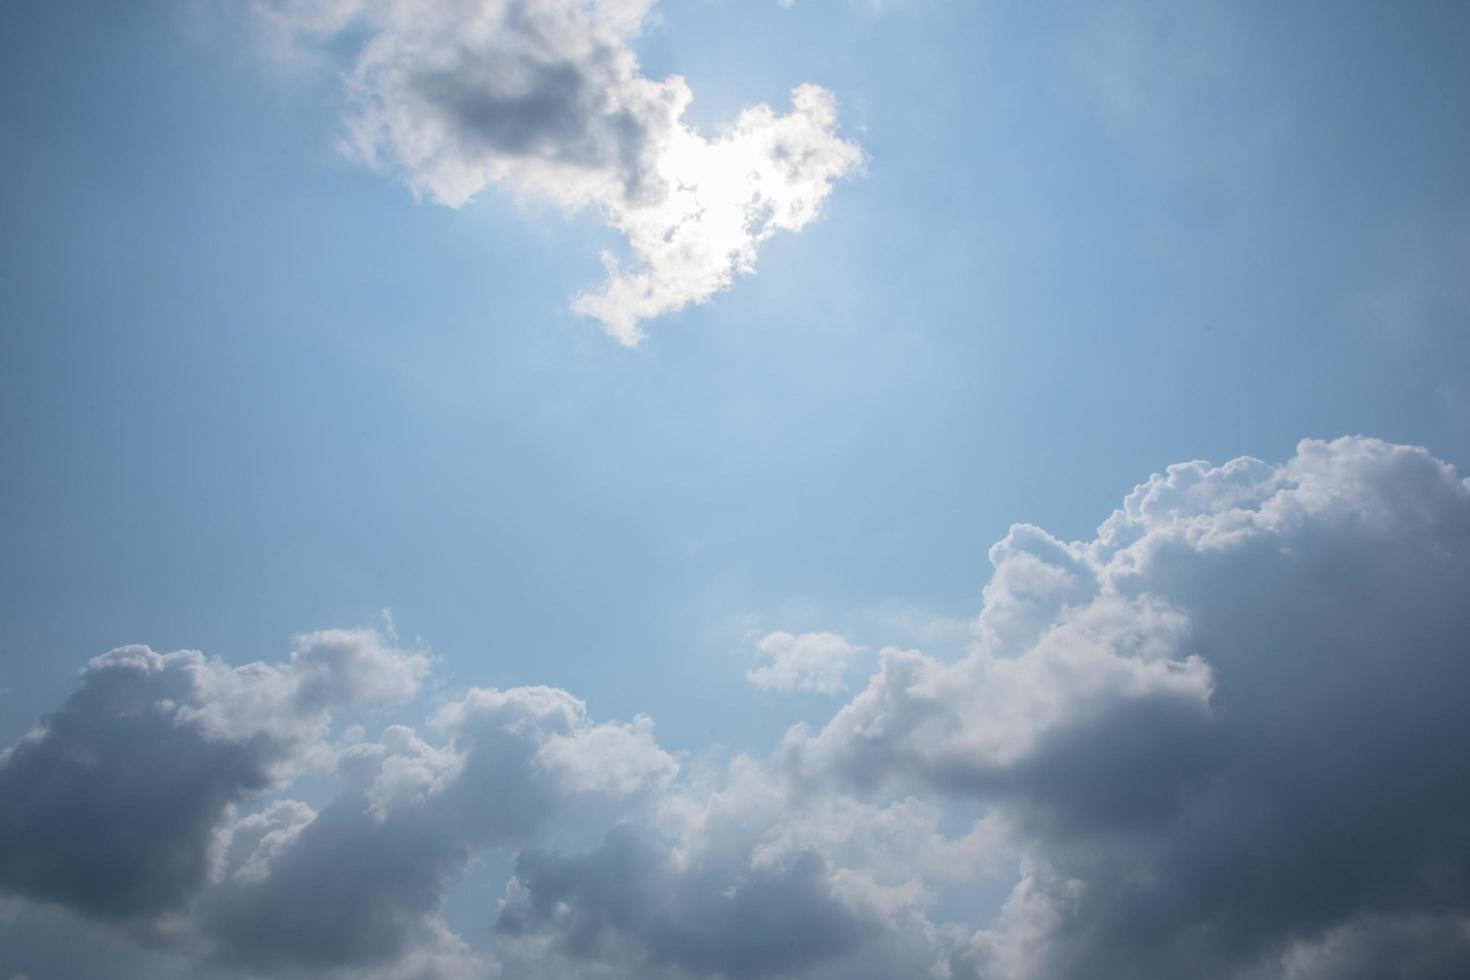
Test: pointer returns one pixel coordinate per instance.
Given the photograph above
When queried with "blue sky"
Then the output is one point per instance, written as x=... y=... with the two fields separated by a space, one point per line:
x=251 y=387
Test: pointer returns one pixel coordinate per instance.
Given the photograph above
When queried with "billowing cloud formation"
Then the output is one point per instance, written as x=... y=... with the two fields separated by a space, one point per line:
x=110 y=804
x=1223 y=738
x=741 y=874
x=360 y=883
x=1231 y=725
x=806 y=662
x=546 y=98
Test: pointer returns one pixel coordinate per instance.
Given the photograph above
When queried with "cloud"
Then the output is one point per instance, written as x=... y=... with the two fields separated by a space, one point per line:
x=109 y=805
x=361 y=883
x=808 y=662
x=628 y=899
x=608 y=759
x=1421 y=947
x=545 y=97
x=1228 y=728
x=122 y=805
x=737 y=875
x=1224 y=737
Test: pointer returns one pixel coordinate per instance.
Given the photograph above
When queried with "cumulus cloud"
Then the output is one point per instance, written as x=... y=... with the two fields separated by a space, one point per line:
x=1224 y=737
x=110 y=803
x=628 y=900
x=546 y=98
x=123 y=805
x=1229 y=727
x=740 y=874
x=361 y=883
x=806 y=662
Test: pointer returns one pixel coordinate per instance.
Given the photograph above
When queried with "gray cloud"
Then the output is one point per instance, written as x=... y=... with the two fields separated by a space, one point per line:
x=739 y=874
x=1223 y=738
x=110 y=810
x=362 y=883
x=1409 y=947
x=109 y=805
x=348 y=890
x=1235 y=727
x=629 y=901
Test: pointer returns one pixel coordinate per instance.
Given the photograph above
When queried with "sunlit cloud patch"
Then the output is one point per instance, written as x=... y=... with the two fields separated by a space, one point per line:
x=545 y=98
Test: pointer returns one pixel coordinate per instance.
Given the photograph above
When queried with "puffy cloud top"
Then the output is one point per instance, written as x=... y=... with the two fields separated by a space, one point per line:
x=1224 y=727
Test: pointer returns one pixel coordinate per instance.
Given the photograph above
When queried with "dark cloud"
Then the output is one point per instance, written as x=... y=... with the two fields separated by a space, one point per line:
x=109 y=806
x=362 y=883
x=1413 y=947
x=629 y=900
x=1331 y=786
x=350 y=889
x=1316 y=778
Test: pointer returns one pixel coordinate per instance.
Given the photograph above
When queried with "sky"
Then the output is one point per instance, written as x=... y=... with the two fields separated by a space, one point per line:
x=677 y=489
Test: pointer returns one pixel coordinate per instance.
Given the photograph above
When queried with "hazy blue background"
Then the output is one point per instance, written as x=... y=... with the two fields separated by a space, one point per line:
x=248 y=388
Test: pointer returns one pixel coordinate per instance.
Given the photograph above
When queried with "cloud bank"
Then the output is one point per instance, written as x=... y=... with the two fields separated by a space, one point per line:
x=1222 y=738
x=546 y=98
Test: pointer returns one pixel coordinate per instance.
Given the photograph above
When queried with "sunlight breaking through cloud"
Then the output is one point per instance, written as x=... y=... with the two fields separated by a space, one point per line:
x=546 y=98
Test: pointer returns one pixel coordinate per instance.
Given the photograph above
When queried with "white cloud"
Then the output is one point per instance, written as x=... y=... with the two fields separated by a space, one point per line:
x=1222 y=738
x=608 y=759
x=806 y=662
x=545 y=97
x=934 y=722
x=1221 y=729
x=360 y=667
x=360 y=884
x=741 y=874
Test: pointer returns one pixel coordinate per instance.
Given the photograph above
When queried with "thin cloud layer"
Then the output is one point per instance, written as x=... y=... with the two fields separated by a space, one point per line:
x=545 y=97
x=1223 y=738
